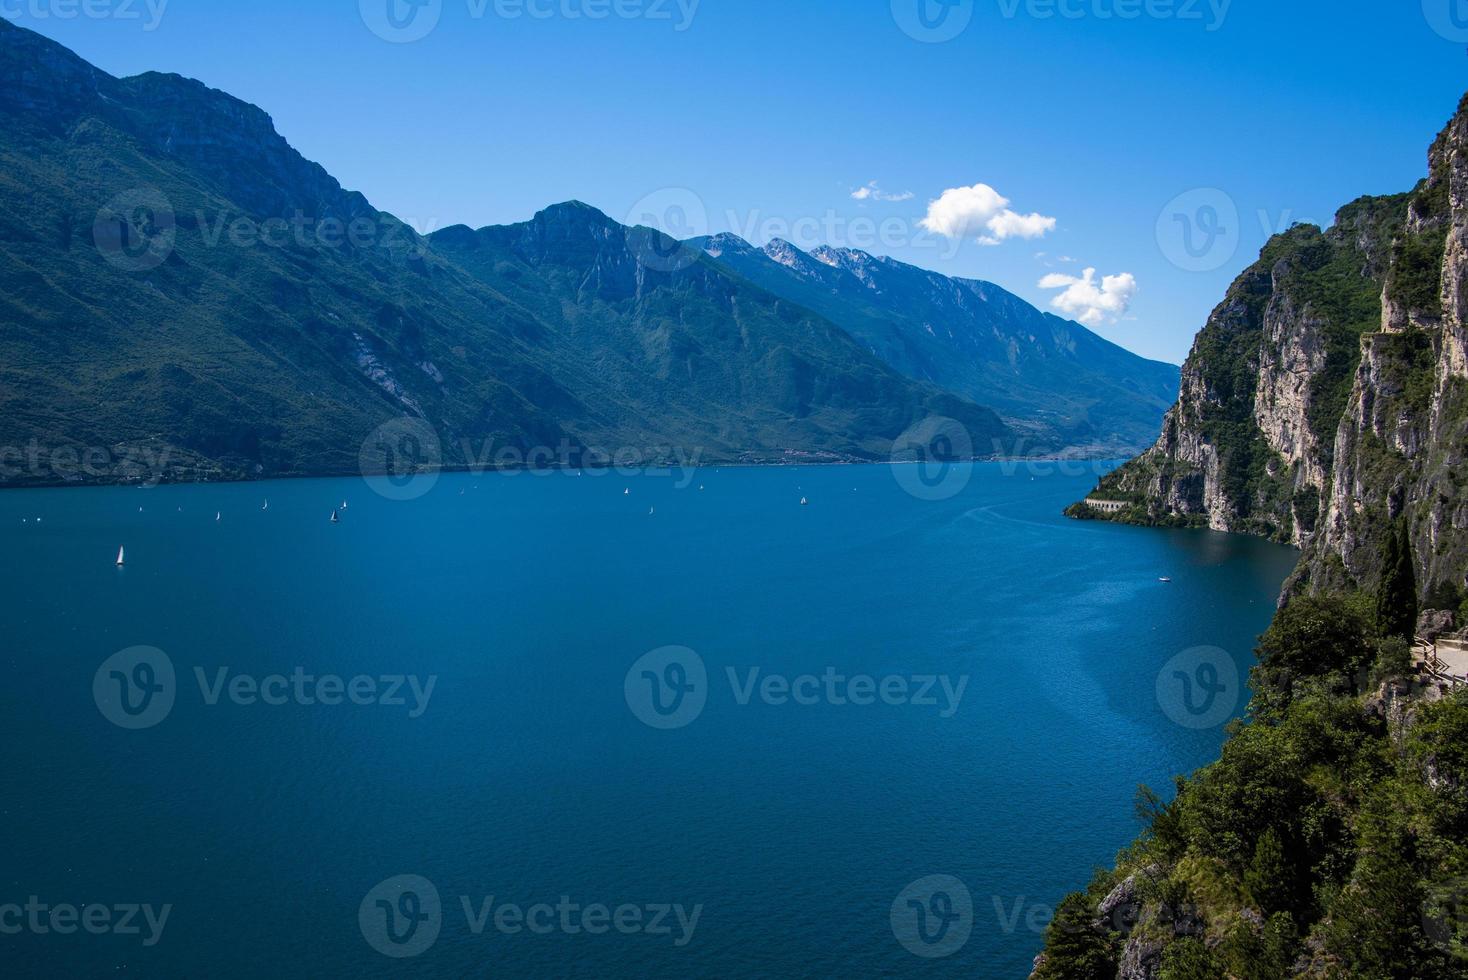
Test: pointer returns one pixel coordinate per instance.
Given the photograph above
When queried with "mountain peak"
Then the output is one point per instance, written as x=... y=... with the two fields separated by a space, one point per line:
x=786 y=254
x=573 y=211
x=724 y=243
x=851 y=260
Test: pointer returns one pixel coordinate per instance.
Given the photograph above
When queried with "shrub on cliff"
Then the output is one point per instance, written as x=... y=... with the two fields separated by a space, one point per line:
x=1314 y=636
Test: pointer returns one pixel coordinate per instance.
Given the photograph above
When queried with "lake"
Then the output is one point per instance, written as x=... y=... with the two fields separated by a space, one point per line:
x=534 y=725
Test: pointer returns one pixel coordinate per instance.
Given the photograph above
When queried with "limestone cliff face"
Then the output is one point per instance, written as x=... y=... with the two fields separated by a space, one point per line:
x=1328 y=394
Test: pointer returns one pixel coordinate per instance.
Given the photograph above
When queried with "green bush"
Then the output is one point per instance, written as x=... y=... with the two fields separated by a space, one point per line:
x=1322 y=636
x=1189 y=959
x=1393 y=660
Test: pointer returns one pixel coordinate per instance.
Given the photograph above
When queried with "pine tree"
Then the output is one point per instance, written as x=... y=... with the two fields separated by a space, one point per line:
x=1269 y=877
x=1074 y=950
x=1396 y=597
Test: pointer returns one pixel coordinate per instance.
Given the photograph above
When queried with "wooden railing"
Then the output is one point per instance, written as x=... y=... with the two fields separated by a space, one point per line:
x=1434 y=663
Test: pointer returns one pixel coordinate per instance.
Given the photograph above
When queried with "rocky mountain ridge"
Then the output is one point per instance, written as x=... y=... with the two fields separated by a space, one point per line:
x=1064 y=389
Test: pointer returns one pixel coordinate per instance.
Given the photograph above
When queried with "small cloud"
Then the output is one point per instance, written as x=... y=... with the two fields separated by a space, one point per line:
x=1082 y=298
x=983 y=212
x=872 y=192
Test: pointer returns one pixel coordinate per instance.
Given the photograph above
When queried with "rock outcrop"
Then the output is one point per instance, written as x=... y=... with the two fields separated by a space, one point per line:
x=1327 y=396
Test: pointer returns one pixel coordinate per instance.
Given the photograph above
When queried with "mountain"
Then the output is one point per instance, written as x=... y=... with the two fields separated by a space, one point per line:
x=705 y=351
x=1060 y=385
x=1327 y=396
x=1325 y=403
x=178 y=283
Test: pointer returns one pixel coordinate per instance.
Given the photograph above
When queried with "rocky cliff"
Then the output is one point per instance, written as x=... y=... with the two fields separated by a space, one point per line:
x=1328 y=394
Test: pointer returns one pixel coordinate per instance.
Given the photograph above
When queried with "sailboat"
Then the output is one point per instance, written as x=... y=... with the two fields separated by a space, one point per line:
x=218 y=516
x=804 y=502
x=344 y=505
x=334 y=518
x=627 y=492
x=120 y=556
x=267 y=505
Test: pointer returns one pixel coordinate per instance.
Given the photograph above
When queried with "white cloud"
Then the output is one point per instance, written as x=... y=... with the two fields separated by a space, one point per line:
x=871 y=192
x=1089 y=303
x=983 y=212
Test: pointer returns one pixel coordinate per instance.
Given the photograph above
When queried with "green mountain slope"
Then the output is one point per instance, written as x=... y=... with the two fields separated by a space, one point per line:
x=177 y=282
x=699 y=345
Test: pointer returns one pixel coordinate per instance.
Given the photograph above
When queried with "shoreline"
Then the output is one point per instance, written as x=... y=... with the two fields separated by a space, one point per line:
x=629 y=471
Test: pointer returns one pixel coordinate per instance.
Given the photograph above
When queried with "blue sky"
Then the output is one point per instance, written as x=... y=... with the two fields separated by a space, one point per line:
x=764 y=116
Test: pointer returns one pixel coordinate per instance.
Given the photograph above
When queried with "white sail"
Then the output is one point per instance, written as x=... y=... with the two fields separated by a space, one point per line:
x=121 y=552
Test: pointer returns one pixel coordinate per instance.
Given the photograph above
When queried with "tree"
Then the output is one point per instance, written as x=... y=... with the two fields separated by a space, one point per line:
x=1393 y=660
x=1269 y=877
x=1189 y=959
x=1396 y=596
x=1376 y=924
x=1312 y=636
x=1074 y=949
x=1265 y=954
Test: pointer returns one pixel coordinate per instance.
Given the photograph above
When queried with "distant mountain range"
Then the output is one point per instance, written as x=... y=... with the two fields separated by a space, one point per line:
x=174 y=276
x=1059 y=384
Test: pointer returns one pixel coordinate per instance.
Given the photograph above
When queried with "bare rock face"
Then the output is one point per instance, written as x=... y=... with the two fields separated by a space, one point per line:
x=1283 y=399
x=1121 y=909
x=1327 y=396
x=1159 y=925
x=1141 y=958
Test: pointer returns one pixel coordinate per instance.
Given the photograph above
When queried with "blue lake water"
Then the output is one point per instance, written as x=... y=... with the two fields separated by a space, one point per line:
x=793 y=828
